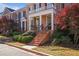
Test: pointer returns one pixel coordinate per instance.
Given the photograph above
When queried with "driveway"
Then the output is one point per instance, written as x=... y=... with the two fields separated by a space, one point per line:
x=6 y=50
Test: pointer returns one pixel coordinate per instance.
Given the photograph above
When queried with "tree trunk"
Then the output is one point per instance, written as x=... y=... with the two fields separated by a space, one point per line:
x=76 y=39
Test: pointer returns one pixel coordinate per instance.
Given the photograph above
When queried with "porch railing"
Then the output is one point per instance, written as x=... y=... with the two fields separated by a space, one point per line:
x=41 y=9
x=41 y=28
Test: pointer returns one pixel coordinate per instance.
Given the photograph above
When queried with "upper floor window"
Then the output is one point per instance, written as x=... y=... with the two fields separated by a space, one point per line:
x=15 y=15
x=45 y=4
x=9 y=16
x=62 y=5
x=19 y=15
x=34 y=6
x=29 y=9
x=24 y=13
x=49 y=5
x=39 y=5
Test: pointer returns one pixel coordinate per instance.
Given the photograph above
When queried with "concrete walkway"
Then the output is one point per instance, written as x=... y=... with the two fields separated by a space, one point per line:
x=6 y=50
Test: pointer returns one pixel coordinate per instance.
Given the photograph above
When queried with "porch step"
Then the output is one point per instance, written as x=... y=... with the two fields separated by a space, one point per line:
x=41 y=38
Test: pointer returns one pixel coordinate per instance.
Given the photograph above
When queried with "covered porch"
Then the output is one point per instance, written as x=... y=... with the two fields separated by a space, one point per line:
x=41 y=22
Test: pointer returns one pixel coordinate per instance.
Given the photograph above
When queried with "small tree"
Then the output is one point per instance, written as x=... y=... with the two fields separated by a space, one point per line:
x=7 y=25
x=68 y=19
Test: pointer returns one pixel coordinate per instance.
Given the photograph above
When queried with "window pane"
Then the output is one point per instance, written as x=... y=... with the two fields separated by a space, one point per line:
x=39 y=4
x=24 y=13
x=34 y=6
x=45 y=4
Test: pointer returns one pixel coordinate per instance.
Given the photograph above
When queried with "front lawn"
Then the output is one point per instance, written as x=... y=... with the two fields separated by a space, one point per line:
x=57 y=50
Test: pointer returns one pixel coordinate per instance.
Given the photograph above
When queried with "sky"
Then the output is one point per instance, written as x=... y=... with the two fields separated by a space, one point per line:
x=12 y=5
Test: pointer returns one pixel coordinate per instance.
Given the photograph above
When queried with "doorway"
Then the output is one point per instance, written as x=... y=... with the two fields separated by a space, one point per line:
x=48 y=22
x=35 y=24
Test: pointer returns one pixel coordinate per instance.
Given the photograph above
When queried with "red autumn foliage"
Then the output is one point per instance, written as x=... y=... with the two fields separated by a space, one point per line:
x=6 y=24
x=68 y=16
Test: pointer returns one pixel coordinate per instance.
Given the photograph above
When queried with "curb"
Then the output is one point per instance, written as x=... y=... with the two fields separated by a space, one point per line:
x=32 y=51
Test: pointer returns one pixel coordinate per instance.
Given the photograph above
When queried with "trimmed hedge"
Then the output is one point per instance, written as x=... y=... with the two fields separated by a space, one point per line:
x=24 y=39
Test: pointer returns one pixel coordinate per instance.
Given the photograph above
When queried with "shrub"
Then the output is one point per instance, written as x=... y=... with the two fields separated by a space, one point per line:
x=61 y=40
x=60 y=37
x=15 y=33
x=24 y=39
x=32 y=33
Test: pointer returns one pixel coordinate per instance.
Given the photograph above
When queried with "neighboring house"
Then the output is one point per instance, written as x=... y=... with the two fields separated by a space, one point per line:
x=7 y=10
x=3 y=15
x=22 y=19
x=19 y=16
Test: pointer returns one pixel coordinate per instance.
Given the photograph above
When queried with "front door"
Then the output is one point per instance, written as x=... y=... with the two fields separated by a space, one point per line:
x=48 y=21
x=35 y=24
x=23 y=26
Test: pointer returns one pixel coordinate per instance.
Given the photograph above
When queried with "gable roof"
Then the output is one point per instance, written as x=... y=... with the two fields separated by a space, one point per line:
x=7 y=10
x=10 y=9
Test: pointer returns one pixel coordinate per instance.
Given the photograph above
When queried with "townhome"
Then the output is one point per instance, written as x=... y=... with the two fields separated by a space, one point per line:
x=40 y=15
x=41 y=21
x=43 y=15
x=21 y=18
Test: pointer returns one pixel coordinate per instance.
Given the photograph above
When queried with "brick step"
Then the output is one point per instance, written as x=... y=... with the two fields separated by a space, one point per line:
x=40 y=38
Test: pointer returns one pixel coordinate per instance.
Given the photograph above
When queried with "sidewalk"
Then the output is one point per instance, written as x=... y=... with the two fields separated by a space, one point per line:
x=27 y=48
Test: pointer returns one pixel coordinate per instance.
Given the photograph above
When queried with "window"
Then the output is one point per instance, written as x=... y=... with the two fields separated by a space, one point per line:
x=62 y=5
x=24 y=13
x=49 y=5
x=23 y=26
x=34 y=6
x=15 y=16
x=10 y=16
x=39 y=5
x=29 y=9
x=45 y=4
x=19 y=15
x=32 y=24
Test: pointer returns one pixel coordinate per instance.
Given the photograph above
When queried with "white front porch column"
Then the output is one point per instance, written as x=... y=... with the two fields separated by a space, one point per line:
x=21 y=25
x=25 y=25
x=40 y=21
x=21 y=14
x=52 y=22
x=30 y=18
